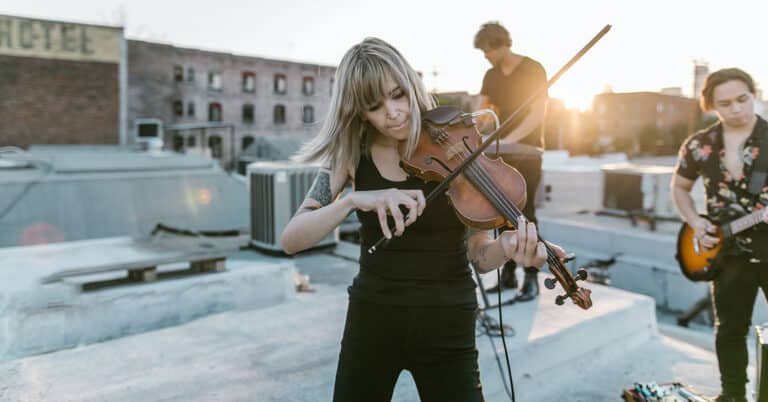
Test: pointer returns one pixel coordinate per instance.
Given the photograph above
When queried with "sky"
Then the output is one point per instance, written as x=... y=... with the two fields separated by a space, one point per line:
x=652 y=43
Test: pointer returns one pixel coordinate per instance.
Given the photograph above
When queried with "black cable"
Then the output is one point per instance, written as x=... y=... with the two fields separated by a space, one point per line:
x=489 y=329
x=160 y=227
x=504 y=339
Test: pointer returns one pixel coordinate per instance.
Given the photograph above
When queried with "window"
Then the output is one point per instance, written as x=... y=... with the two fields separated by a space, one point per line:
x=214 y=81
x=191 y=109
x=214 y=111
x=246 y=141
x=190 y=74
x=249 y=82
x=308 y=114
x=308 y=86
x=214 y=144
x=191 y=141
x=178 y=108
x=279 y=114
x=280 y=84
x=659 y=107
x=178 y=142
x=248 y=113
x=178 y=73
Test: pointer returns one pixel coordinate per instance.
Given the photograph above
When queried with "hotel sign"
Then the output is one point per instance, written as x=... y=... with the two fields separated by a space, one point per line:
x=59 y=40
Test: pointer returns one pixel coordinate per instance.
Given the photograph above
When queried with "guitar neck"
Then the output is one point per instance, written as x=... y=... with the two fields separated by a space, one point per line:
x=746 y=222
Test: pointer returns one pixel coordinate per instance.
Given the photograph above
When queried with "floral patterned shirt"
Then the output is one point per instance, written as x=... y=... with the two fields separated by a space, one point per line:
x=724 y=190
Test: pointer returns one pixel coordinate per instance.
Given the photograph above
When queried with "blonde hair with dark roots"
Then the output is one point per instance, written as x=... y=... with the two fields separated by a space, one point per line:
x=359 y=83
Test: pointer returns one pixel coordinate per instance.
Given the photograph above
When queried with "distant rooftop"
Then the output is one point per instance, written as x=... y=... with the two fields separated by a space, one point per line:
x=64 y=193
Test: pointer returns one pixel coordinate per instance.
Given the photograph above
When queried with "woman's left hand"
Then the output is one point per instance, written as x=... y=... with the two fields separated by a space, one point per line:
x=522 y=245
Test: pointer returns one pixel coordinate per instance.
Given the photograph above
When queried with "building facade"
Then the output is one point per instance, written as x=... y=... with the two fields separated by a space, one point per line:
x=219 y=103
x=648 y=122
x=60 y=82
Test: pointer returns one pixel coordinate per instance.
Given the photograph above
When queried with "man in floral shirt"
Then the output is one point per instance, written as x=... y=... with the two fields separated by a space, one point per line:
x=724 y=155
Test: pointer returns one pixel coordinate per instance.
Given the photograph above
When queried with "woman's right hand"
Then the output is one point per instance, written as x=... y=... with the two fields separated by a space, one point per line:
x=388 y=202
x=703 y=229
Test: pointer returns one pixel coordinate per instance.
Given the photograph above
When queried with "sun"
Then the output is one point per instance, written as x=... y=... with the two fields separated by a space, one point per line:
x=574 y=97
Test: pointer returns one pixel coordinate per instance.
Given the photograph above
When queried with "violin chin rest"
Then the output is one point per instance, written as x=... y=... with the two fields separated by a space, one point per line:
x=441 y=115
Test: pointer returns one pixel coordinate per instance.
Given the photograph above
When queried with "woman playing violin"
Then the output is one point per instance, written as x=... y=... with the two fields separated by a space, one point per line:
x=413 y=304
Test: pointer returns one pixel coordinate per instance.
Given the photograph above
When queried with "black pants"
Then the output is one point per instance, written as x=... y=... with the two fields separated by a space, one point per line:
x=530 y=168
x=436 y=344
x=733 y=295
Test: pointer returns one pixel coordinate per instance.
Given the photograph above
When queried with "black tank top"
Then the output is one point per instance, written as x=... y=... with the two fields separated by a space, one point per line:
x=427 y=265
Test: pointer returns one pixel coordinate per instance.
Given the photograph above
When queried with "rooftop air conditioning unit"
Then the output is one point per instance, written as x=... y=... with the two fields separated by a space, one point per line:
x=276 y=191
x=638 y=188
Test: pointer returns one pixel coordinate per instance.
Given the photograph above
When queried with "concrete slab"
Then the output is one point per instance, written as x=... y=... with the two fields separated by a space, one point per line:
x=41 y=318
x=289 y=352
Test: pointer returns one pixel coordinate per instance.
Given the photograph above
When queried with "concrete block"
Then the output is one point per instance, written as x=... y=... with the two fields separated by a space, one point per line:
x=642 y=279
x=683 y=293
x=48 y=318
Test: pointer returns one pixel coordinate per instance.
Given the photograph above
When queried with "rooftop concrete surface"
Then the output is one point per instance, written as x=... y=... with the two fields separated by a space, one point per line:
x=288 y=352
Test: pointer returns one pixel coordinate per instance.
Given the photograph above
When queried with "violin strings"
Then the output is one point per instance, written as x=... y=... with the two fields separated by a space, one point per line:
x=483 y=180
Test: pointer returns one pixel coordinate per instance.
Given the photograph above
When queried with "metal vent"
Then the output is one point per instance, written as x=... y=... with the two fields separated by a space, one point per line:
x=262 y=207
x=277 y=189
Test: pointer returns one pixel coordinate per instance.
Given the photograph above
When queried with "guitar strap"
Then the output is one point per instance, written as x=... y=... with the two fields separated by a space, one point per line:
x=760 y=168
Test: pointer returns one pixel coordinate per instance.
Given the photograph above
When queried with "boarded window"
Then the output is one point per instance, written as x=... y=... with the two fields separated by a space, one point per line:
x=214 y=111
x=248 y=113
x=214 y=144
x=178 y=108
x=308 y=114
x=178 y=73
x=279 y=114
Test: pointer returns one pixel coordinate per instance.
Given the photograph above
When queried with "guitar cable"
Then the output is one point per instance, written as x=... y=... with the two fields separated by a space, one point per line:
x=511 y=391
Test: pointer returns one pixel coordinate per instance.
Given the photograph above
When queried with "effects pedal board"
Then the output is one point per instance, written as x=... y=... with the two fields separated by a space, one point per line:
x=669 y=392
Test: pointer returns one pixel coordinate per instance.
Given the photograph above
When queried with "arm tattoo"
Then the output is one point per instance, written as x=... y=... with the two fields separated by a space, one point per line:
x=321 y=188
x=479 y=256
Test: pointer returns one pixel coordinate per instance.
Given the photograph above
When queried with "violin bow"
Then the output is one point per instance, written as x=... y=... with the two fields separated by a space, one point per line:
x=492 y=137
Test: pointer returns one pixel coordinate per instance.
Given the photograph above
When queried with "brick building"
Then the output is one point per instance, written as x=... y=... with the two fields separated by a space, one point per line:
x=648 y=122
x=60 y=82
x=218 y=103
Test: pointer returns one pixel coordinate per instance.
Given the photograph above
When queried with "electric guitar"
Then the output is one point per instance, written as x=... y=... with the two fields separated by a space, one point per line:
x=698 y=263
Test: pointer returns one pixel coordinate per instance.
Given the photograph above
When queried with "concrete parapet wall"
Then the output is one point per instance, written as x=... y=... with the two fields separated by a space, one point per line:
x=646 y=262
x=46 y=318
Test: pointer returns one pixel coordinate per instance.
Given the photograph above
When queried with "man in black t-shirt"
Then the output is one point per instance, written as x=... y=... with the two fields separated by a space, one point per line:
x=512 y=79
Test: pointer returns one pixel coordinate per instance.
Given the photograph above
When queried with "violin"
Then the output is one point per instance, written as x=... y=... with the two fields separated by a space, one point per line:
x=486 y=193
x=489 y=193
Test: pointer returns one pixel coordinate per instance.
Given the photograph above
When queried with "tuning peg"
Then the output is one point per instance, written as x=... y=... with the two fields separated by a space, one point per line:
x=559 y=300
x=581 y=274
x=550 y=283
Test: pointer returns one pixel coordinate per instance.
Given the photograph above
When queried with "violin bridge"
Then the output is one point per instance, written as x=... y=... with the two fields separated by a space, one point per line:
x=454 y=150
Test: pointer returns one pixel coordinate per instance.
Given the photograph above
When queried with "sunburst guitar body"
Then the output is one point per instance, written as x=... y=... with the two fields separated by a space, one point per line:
x=700 y=264
x=695 y=260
